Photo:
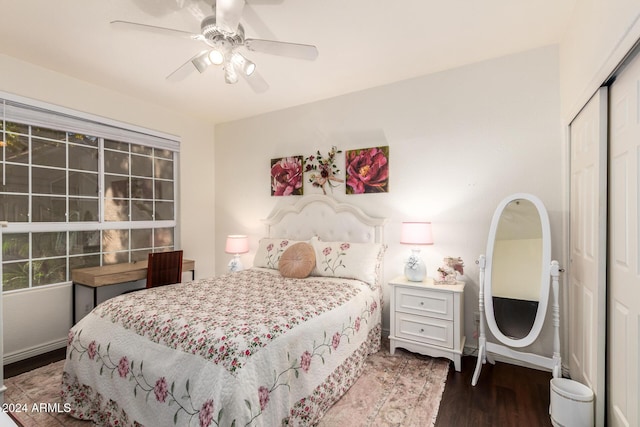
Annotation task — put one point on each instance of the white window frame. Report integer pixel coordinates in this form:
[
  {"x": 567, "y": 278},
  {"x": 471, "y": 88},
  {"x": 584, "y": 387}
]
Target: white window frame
[{"x": 37, "y": 113}]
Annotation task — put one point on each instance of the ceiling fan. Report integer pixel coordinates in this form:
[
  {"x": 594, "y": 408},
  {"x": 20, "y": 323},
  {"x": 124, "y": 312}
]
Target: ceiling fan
[{"x": 224, "y": 36}]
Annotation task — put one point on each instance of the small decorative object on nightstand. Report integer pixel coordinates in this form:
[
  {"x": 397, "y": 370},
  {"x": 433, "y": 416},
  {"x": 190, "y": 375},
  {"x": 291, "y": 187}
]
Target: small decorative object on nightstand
[
  {"x": 448, "y": 273},
  {"x": 236, "y": 244},
  {"x": 427, "y": 318},
  {"x": 416, "y": 233}
]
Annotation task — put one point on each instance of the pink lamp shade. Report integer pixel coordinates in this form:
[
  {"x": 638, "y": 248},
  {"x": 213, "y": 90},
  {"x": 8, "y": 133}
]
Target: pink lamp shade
[
  {"x": 416, "y": 233},
  {"x": 237, "y": 244}
]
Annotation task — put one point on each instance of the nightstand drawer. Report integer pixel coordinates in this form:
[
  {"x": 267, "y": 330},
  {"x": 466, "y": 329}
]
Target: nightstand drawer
[
  {"x": 424, "y": 302},
  {"x": 424, "y": 329}
]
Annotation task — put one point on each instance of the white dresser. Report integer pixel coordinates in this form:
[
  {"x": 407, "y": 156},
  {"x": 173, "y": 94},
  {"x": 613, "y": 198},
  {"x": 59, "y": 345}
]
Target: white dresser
[{"x": 427, "y": 318}]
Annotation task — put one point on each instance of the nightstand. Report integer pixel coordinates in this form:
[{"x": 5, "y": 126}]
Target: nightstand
[{"x": 427, "y": 318}]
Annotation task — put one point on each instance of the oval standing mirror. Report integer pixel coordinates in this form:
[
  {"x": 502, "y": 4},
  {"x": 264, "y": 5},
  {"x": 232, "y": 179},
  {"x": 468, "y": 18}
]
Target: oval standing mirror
[{"x": 518, "y": 270}]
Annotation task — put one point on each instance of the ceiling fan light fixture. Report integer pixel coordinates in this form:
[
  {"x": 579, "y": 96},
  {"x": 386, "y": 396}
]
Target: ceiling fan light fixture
[
  {"x": 216, "y": 57},
  {"x": 230, "y": 74},
  {"x": 243, "y": 64}
]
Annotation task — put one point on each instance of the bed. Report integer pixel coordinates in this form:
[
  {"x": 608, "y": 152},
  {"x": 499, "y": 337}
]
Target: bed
[{"x": 252, "y": 348}]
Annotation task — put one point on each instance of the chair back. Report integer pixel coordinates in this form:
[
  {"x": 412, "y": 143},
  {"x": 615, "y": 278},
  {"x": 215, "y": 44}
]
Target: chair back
[{"x": 164, "y": 268}]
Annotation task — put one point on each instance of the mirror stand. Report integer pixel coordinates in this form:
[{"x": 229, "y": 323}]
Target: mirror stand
[{"x": 554, "y": 363}]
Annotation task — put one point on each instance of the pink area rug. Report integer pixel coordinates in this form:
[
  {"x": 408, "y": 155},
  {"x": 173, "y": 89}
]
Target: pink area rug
[{"x": 400, "y": 390}]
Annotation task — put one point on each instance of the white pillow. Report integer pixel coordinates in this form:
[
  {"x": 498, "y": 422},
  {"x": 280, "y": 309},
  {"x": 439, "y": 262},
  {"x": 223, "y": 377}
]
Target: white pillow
[
  {"x": 360, "y": 261},
  {"x": 270, "y": 250}
]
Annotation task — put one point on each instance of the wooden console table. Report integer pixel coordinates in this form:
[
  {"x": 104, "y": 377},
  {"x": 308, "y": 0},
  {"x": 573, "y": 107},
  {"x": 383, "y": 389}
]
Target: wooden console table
[{"x": 107, "y": 275}]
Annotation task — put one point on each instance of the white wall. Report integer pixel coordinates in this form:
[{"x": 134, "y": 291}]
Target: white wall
[
  {"x": 460, "y": 141},
  {"x": 38, "y": 320},
  {"x": 599, "y": 36}
]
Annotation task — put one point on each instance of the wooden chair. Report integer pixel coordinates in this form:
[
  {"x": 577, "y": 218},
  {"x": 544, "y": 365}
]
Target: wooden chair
[{"x": 164, "y": 268}]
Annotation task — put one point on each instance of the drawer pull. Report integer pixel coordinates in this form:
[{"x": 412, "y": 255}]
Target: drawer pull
[
  {"x": 421, "y": 330},
  {"x": 421, "y": 302}
]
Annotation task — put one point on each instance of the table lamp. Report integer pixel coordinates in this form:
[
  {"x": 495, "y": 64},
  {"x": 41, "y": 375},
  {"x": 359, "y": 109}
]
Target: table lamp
[
  {"x": 416, "y": 233},
  {"x": 236, "y": 244}
]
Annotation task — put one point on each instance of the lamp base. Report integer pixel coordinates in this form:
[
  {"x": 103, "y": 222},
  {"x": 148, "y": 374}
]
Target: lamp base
[
  {"x": 414, "y": 269},
  {"x": 235, "y": 265}
]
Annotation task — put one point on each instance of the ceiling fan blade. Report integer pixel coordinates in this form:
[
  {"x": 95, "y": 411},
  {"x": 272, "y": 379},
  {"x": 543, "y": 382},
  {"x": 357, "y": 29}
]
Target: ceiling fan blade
[
  {"x": 228, "y": 13},
  {"x": 256, "y": 82},
  {"x": 155, "y": 29},
  {"x": 292, "y": 50},
  {"x": 199, "y": 61}
]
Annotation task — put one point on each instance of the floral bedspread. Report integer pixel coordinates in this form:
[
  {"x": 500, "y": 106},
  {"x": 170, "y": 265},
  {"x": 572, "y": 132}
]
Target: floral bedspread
[{"x": 245, "y": 349}]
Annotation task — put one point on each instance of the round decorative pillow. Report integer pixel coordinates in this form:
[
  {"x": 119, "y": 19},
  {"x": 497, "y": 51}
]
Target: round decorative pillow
[{"x": 297, "y": 261}]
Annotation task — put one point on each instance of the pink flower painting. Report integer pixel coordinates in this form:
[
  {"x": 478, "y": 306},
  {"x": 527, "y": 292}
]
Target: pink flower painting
[
  {"x": 368, "y": 170},
  {"x": 286, "y": 176}
]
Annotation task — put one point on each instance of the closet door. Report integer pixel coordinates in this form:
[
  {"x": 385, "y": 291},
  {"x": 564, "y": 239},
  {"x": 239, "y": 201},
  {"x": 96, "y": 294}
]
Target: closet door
[
  {"x": 623, "y": 376},
  {"x": 587, "y": 269}
]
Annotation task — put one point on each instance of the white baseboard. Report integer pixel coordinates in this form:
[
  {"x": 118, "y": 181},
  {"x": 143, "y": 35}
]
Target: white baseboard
[{"x": 34, "y": 351}]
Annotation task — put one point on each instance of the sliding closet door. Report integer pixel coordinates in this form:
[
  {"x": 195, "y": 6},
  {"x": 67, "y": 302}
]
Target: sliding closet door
[
  {"x": 587, "y": 268},
  {"x": 623, "y": 376}
]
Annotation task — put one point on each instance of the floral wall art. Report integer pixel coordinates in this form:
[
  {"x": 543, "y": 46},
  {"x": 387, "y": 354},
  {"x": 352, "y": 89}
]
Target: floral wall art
[
  {"x": 323, "y": 170},
  {"x": 286, "y": 176},
  {"x": 367, "y": 170}
]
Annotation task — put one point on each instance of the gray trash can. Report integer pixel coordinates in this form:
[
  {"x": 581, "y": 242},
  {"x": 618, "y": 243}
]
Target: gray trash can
[{"x": 571, "y": 403}]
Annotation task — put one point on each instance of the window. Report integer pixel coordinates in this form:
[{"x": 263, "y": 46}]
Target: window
[{"x": 80, "y": 193}]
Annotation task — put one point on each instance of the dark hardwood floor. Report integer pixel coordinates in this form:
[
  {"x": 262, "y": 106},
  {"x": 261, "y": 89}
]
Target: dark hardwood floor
[
  {"x": 506, "y": 395},
  {"x": 17, "y": 368}
]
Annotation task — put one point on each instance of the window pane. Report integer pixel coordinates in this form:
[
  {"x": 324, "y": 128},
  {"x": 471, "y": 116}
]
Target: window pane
[
  {"x": 16, "y": 179},
  {"x": 77, "y": 138},
  {"x": 49, "y": 244},
  {"x": 15, "y": 275},
  {"x": 141, "y": 238},
  {"x": 116, "y": 186},
  {"x": 164, "y": 211},
  {"x": 116, "y": 162},
  {"x": 84, "y": 261},
  {"x": 163, "y": 237},
  {"x": 116, "y": 145},
  {"x": 164, "y": 154},
  {"x": 17, "y": 148},
  {"x": 140, "y": 255},
  {"x": 115, "y": 240},
  {"x": 115, "y": 258},
  {"x": 48, "y": 271},
  {"x": 48, "y": 209},
  {"x": 48, "y": 181},
  {"x": 83, "y": 210},
  {"x": 84, "y": 242},
  {"x": 48, "y": 133},
  {"x": 164, "y": 169},
  {"x": 48, "y": 153},
  {"x": 15, "y": 246},
  {"x": 141, "y": 211},
  {"x": 83, "y": 184},
  {"x": 141, "y": 188},
  {"x": 116, "y": 210},
  {"x": 17, "y": 128},
  {"x": 164, "y": 190},
  {"x": 141, "y": 166},
  {"x": 14, "y": 208},
  {"x": 83, "y": 158},
  {"x": 141, "y": 149}
]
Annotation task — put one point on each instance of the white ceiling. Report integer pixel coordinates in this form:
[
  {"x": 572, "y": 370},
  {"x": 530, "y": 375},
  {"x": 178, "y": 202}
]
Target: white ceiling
[{"x": 361, "y": 43}]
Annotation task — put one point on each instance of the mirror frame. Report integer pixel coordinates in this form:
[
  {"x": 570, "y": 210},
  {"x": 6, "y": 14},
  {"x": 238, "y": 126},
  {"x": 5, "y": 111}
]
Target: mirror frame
[{"x": 545, "y": 279}]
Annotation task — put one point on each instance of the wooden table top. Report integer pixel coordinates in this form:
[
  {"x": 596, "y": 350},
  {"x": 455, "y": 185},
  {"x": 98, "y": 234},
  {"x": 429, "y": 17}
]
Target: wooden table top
[{"x": 117, "y": 273}]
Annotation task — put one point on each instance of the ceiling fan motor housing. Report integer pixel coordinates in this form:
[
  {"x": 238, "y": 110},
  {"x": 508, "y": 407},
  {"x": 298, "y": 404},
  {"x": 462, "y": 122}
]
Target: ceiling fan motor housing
[{"x": 213, "y": 34}]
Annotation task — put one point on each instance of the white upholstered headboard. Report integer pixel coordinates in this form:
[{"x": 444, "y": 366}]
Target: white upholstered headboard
[{"x": 329, "y": 220}]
